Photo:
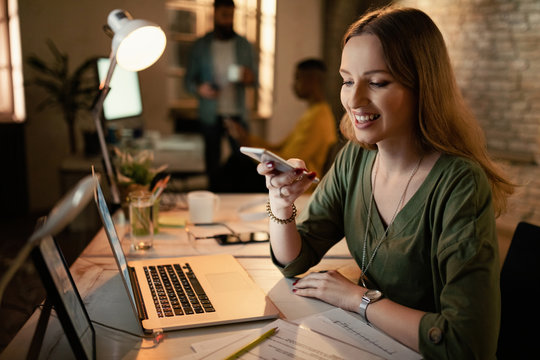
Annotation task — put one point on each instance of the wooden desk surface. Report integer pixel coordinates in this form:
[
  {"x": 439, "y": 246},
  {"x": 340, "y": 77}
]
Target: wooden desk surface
[{"x": 103, "y": 293}]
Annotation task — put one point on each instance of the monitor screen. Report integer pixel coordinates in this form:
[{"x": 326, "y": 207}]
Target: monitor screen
[{"x": 124, "y": 98}]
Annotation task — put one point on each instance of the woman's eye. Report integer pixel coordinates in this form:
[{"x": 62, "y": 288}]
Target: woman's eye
[
  {"x": 379, "y": 84},
  {"x": 347, "y": 83}
]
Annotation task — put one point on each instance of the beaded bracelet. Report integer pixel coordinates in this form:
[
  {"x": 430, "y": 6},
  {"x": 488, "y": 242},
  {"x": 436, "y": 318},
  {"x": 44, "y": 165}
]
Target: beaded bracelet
[{"x": 278, "y": 220}]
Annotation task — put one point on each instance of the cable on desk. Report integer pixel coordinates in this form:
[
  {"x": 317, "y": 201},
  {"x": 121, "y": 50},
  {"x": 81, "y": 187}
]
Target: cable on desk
[{"x": 156, "y": 337}]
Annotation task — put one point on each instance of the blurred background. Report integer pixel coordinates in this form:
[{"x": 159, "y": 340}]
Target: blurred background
[{"x": 494, "y": 46}]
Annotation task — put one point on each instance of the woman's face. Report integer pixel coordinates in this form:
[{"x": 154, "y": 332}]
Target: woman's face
[{"x": 381, "y": 109}]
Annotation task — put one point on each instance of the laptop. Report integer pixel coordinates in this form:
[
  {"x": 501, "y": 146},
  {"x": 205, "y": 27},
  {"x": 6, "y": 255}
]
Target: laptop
[{"x": 186, "y": 292}]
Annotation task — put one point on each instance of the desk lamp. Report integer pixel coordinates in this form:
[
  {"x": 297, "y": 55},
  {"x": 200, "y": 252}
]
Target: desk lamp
[{"x": 136, "y": 45}]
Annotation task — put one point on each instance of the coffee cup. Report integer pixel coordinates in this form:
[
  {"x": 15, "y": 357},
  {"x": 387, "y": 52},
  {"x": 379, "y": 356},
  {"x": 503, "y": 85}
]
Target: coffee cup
[
  {"x": 203, "y": 206},
  {"x": 234, "y": 73}
]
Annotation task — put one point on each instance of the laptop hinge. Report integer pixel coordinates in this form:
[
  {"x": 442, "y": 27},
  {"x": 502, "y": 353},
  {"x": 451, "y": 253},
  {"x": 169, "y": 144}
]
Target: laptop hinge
[{"x": 141, "y": 309}]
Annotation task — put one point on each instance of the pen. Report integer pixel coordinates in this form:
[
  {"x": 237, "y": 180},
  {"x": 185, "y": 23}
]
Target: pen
[
  {"x": 160, "y": 186},
  {"x": 252, "y": 344}
]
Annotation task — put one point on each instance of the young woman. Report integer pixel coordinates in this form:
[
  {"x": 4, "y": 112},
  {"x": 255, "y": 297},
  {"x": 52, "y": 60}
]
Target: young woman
[{"x": 413, "y": 192}]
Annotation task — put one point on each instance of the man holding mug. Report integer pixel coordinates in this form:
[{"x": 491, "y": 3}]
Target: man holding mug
[{"x": 221, "y": 65}]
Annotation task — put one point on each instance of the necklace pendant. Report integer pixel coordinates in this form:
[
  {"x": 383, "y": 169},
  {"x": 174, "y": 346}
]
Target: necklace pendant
[{"x": 362, "y": 277}]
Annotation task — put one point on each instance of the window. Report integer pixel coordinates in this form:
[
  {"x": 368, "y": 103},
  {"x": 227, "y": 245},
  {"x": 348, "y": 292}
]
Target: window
[{"x": 11, "y": 79}]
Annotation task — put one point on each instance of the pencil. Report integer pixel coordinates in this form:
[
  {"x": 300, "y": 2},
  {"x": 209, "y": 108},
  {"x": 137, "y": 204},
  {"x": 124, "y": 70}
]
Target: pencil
[{"x": 252, "y": 344}]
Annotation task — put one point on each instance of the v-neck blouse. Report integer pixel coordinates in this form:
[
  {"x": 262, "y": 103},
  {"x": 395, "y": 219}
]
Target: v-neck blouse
[{"x": 440, "y": 254}]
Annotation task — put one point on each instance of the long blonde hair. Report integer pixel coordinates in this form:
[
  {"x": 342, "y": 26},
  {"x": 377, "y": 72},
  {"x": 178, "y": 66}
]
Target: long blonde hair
[{"x": 416, "y": 56}]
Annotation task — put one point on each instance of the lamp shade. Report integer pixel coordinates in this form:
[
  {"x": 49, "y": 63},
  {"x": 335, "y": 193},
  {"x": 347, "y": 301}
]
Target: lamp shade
[{"x": 137, "y": 44}]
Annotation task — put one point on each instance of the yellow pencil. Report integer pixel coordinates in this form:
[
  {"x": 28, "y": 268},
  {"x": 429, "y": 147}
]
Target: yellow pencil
[{"x": 252, "y": 344}]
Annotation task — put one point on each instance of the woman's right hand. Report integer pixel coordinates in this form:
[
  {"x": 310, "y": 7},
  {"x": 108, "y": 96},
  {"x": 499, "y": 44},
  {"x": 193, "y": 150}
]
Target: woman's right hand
[{"x": 285, "y": 187}]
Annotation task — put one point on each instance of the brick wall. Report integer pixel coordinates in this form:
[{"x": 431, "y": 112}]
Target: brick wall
[
  {"x": 494, "y": 46},
  {"x": 495, "y": 49}
]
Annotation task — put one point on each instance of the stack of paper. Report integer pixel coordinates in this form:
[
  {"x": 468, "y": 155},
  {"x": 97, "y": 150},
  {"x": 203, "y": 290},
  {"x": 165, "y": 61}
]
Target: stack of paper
[{"x": 335, "y": 334}]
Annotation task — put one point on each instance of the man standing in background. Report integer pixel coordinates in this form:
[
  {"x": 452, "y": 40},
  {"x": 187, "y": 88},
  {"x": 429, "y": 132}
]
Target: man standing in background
[{"x": 221, "y": 65}]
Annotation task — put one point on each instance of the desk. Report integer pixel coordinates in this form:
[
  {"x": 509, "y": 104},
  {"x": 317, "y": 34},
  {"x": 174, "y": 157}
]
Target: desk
[{"x": 100, "y": 286}]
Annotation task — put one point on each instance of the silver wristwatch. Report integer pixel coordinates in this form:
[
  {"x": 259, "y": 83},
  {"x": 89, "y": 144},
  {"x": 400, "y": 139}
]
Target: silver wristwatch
[{"x": 369, "y": 297}]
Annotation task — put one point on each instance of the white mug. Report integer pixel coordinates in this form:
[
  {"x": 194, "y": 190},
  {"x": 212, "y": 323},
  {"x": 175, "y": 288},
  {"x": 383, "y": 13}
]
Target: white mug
[
  {"x": 202, "y": 206},
  {"x": 234, "y": 73}
]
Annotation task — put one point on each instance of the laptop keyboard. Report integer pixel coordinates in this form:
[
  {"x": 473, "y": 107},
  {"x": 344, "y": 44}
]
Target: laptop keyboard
[{"x": 176, "y": 290}]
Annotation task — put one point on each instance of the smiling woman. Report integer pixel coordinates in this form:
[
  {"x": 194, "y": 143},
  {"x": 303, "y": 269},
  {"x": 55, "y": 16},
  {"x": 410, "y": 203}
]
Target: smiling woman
[
  {"x": 11, "y": 80},
  {"x": 413, "y": 192}
]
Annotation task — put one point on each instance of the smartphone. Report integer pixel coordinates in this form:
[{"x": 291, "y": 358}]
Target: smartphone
[
  {"x": 261, "y": 154},
  {"x": 242, "y": 238}
]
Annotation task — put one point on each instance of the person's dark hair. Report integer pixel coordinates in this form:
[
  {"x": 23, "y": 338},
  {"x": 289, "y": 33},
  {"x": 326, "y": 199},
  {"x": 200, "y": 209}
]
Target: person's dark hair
[
  {"x": 311, "y": 64},
  {"x": 218, "y": 3},
  {"x": 415, "y": 53}
]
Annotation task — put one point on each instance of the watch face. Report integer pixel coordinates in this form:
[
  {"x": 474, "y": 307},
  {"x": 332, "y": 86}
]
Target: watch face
[{"x": 373, "y": 295}]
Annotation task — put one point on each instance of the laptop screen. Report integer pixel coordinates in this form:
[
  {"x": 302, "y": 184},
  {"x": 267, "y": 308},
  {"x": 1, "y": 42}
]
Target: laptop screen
[{"x": 114, "y": 240}]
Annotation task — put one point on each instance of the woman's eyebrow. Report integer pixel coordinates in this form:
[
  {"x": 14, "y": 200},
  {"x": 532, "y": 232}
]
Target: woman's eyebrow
[{"x": 369, "y": 72}]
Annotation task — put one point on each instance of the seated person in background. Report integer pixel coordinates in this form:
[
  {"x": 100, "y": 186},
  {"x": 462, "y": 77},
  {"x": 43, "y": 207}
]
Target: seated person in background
[
  {"x": 413, "y": 192},
  {"x": 314, "y": 133}
]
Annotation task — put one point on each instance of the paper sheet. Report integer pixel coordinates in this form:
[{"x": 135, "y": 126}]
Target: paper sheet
[
  {"x": 289, "y": 342},
  {"x": 349, "y": 328},
  {"x": 336, "y": 323}
]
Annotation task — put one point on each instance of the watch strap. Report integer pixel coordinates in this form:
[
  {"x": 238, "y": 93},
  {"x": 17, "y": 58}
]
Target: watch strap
[{"x": 362, "y": 309}]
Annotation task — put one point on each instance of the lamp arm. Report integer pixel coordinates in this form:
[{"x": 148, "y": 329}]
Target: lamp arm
[{"x": 96, "y": 114}]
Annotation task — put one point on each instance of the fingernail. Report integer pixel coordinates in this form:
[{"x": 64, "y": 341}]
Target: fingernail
[
  {"x": 298, "y": 171},
  {"x": 270, "y": 164},
  {"x": 294, "y": 283},
  {"x": 294, "y": 290},
  {"x": 312, "y": 175}
]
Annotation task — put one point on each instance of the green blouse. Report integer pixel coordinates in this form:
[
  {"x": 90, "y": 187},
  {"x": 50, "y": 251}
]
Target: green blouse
[{"x": 440, "y": 255}]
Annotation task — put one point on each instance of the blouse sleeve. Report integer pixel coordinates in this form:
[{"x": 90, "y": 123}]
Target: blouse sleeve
[
  {"x": 320, "y": 224},
  {"x": 465, "y": 263}
]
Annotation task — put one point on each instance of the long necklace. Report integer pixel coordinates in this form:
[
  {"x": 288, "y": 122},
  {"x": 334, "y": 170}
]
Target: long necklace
[{"x": 371, "y": 201}]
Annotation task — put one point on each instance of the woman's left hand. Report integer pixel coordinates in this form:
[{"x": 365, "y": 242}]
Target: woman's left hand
[{"x": 330, "y": 287}]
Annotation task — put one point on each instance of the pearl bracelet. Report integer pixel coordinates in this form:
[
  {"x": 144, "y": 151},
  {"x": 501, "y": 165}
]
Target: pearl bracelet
[{"x": 278, "y": 220}]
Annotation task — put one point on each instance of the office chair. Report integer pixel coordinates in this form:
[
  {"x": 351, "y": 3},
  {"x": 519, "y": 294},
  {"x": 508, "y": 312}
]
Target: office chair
[
  {"x": 520, "y": 295},
  {"x": 333, "y": 150}
]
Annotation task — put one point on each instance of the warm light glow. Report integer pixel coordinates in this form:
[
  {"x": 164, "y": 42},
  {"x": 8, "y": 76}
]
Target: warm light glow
[
  {"x": 137, "y": 44},
  {"x": 19, "y": 107},
  {"x": 141, "y": 48},
  {"x": 266, "y": 57},
  {"x": 12, "y": 107}
]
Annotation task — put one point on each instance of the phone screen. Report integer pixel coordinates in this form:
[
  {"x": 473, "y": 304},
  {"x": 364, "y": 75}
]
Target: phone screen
[{"x": 261, "y": 154}]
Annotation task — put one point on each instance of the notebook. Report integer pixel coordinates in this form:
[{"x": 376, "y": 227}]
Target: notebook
[{"x": 217, "y": 288}]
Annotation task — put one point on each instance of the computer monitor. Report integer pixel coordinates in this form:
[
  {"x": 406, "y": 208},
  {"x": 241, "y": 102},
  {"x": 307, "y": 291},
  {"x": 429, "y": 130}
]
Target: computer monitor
[{"x": 124, "y": 100}]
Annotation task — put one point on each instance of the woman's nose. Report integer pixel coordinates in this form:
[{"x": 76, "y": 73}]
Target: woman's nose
[{"x": 359, "y": 97}]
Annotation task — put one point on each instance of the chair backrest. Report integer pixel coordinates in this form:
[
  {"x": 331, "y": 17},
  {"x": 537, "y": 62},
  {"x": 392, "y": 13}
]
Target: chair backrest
[
  {"x": 520, "y": 295},
  {"x": 331, "y": 155}
]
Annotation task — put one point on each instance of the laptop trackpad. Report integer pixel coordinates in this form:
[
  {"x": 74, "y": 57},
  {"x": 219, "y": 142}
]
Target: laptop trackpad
[{"x": 225, "y": 282}]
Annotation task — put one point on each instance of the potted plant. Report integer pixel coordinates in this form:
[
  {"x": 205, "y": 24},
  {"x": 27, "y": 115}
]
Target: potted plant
[
  {"x": 134, "y": 170},
  {"x": 71, "y": 92}
]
